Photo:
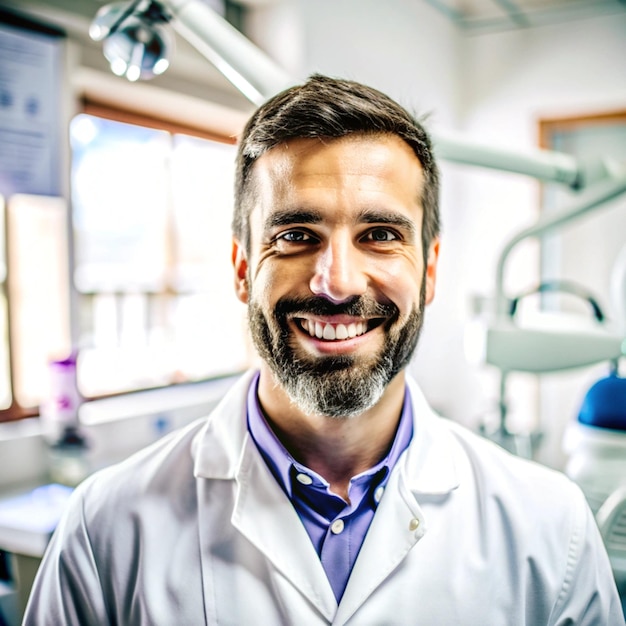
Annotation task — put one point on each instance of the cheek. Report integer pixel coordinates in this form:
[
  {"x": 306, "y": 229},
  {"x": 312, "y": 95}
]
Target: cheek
[
  {"x": 402, "y": 282},
  {"x": 273, "y": 278},
  {"x": 267, "y": 285}
]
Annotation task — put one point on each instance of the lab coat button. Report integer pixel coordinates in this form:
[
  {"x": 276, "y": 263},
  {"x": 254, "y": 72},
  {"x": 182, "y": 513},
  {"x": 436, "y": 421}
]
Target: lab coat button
[
  {"x": 337, "y": 527},
  {"x": 378, "y": 494},
  {"x": 414, "y": 523},
  {"x": 304, "y": 479}
]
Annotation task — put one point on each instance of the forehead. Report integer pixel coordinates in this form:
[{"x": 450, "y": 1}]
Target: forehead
[{"x": 362, "y": 165}]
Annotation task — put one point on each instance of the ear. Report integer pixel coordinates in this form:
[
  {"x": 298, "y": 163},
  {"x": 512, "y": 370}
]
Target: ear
[
  {"x": 431, "y": 270},
  {"x": 240, "y": 264}
]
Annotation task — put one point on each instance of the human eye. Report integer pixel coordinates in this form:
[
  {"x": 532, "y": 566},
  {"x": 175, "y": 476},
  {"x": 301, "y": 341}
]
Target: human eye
[
  {"x": 381, "y": 235},
  {"x": 294, "y": 240},
  {"x": 295, "y": 236}
]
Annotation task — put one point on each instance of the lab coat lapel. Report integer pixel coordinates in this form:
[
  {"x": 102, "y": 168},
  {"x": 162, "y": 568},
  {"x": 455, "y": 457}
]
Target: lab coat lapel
[
  {"x": 264, "y": 515},
  {"x": 397, "y": 526},
  {"x": 426, "y": 472},
  {"x": 227, "y": 461}
]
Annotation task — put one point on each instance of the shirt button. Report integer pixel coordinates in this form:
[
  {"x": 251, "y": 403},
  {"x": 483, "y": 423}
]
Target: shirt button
[
  {"x": 378, "y": 494},
  {"x": 414, "y": 523},
  {"x": 337, "y": 526},
  {"x": 305, "y": 479}
]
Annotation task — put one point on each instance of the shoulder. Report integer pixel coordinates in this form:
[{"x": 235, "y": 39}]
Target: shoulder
[
  {"x": 163, "y": 475},
  {"x": 529, "y": 524},
  {"x": 163, "y": 470},
  {"x": 508, "y": 491},
  {"x": 516, "y": 481},
  {"x": 482, "y": 465},
  {"x": 483, "y": 453},
  {"x": 539, "y": 513}
]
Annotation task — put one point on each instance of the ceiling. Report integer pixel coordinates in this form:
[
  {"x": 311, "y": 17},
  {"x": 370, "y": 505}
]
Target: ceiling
[
  {"x": 471, "y": 16},
  {"x": 480, "y": 16}
]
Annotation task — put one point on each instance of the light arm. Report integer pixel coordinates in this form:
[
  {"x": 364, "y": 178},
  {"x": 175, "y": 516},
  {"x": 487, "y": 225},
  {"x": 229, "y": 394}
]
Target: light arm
[{"x": 247, "y": 67}]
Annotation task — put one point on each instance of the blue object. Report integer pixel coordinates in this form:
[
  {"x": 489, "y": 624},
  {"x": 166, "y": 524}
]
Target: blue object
[{"x": 604, "y": 405}]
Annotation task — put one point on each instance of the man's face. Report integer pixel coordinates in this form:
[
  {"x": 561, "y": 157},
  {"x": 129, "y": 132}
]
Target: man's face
[{"x": 335, "y": 278}]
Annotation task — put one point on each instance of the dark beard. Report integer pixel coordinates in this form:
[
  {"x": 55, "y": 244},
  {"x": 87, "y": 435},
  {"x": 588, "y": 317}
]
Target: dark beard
[{"x": 334, "y": 386}]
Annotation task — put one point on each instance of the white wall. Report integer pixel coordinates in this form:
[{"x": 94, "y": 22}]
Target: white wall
[
  {"x": 493, "y": 88},
  {"x": 402, "y": 47}
]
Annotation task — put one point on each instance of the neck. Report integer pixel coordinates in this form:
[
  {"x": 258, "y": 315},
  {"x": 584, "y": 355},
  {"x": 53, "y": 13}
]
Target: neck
[{"x": 335, "y": 448}]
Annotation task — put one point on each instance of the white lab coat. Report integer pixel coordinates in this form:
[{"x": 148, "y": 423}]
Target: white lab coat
[{"x": 195, "y": 530}]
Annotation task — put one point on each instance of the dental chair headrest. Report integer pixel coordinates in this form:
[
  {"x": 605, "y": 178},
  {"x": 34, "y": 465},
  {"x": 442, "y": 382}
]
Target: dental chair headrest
[{"x": 604, "y": 405}]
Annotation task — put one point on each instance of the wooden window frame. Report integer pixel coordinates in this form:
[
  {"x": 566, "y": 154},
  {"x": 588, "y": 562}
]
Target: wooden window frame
[{"x": 549, "y": 126}]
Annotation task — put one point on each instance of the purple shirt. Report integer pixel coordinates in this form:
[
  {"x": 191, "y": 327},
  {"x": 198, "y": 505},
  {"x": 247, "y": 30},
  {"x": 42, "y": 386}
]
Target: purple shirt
[{"x": 337, "y": 529}]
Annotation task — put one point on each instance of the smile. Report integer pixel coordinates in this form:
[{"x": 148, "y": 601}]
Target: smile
[{"x": 336, "y": 332}]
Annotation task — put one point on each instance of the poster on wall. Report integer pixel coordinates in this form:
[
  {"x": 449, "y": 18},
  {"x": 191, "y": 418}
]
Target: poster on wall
[{"x": 30, "y": 94}]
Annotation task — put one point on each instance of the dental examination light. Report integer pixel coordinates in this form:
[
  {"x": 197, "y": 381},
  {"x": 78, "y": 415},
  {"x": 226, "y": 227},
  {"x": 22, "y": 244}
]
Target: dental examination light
[
  {"x": 136, "y": 44},
  {"x": 252, "y": 72}
]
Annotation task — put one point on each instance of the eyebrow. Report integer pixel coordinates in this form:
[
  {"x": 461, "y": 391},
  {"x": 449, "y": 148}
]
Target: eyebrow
[
  {"x": 367, "y": 216},
  {"x": 375, "y": 216},
  {"x": 292, "y": 216}
]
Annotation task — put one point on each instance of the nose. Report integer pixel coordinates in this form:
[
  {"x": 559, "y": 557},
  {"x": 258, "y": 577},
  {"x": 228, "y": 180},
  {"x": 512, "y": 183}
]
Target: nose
[{"x": 339, "y": 272}]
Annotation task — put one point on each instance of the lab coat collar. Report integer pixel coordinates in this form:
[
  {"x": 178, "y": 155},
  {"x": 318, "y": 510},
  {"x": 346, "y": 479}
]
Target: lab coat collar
[
  {"x": 218, "y": 447},
  {"x": 430, "y": 465},
  {"x": 223, "y": 449},
  {"x": 429, "y": 462}
]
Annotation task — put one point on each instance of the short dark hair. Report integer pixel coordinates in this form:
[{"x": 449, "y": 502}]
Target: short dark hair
[{"x": 325, "y": 107}]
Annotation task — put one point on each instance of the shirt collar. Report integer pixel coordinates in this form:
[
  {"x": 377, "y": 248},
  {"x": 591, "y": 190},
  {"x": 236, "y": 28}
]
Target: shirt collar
[{"x": 280, "y": 461}]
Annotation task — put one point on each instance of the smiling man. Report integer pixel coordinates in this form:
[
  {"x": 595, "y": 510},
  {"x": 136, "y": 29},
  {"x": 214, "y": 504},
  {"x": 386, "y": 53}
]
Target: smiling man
[{"x": 323, "y": 489}]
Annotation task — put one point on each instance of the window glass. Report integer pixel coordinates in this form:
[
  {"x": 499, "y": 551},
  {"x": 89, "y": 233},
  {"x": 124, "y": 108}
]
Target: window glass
[
  {"x": 202, "y": 186},
  {"x": 203, "y": 175},
  {"x": 38, "y": 291},
  {"x": 152, "y": 214},
  {"x": 120, "y": 194}
]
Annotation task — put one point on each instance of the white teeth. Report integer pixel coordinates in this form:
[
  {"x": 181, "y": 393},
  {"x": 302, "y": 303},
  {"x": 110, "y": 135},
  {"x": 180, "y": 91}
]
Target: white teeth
[
  {"x": 329, "y": 332},
  {"x": 334, "y": 333}
]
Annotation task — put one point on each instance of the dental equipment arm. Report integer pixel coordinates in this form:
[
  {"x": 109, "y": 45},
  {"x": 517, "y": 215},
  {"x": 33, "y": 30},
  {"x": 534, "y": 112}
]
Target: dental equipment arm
[
  {"x": 540, "y": 164},
  {"x": 258, "y": 77},
  {"x": 594, "y": 198},
  {"x": 247, "y": 67},
  {"x": 551, "y": 341}
]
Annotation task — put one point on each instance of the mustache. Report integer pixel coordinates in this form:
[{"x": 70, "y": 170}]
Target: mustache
[{"x": 358, "y": 306}]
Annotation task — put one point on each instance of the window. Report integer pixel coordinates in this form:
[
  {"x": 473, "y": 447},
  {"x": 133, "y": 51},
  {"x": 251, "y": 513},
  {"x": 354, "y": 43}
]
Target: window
[
  {"x": 151, "y": 215},
  {"x": 34, "y": 270},
  {"x": 137, "y": 278},
  {"x": 586, "y": 250},
  {"x": 34, "y": 298}
]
